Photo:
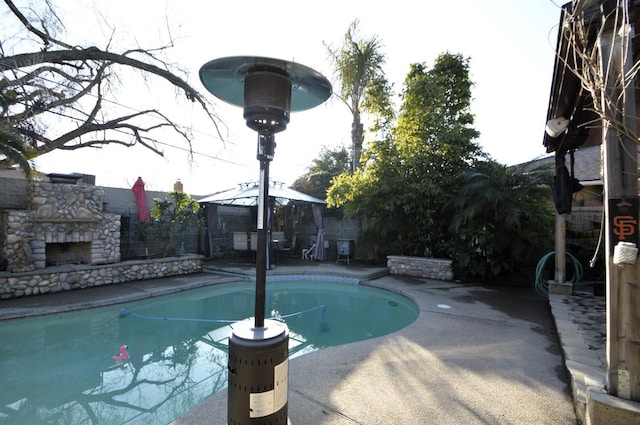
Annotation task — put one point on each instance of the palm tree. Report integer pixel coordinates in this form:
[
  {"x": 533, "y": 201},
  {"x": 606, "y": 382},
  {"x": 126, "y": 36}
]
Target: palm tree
[
  {"x": 363, "y": 85},
  {"x": 13, "y": 151}
]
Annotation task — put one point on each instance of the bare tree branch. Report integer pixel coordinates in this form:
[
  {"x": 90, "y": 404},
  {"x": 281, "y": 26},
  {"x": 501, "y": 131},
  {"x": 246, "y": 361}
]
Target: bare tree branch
[
  {"x": 61, "y": 81},
  {"x": 45, "y": 37},
  {"x": 587, "y": 65},
  {"x": 62, "y": 57}
]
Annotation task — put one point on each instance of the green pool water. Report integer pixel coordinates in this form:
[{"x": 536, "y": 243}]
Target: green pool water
[{"x": 58, "y": 369}]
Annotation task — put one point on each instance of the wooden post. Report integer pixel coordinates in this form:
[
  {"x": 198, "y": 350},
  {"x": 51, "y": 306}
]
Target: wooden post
[
  {"x": 620, "y": 165},
  {"x": 561, "y": 248}
]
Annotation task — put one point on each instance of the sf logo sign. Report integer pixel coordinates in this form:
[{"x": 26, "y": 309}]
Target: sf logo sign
[
  {"x": 624, "y": 226},
  {"x": 623, "y": 221}
]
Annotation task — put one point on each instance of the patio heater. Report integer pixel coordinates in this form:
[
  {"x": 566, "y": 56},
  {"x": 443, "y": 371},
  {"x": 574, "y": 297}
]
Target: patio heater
[{"x": 268, "y": 89}]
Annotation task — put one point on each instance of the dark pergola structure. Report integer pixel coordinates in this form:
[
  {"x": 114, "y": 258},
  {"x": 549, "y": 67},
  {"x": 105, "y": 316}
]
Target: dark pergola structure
[{"x": 604, "y": 33}]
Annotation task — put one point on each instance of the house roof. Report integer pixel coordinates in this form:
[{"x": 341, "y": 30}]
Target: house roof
[{"x": 586, "y": 165}]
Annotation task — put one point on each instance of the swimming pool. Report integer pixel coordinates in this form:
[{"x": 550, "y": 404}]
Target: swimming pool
[{"x": 59, "y": 369}]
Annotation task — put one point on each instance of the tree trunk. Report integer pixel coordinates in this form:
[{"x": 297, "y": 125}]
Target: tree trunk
[{"x": 357, "y": 138}]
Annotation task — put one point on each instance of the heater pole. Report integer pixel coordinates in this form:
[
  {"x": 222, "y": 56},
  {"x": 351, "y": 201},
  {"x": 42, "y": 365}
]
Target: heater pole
[{"x": 266, "y": 148}]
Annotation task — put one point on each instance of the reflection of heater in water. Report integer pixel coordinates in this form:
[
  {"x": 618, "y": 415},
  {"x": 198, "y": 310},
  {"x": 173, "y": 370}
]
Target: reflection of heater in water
[{"x": 345, "y": 249}]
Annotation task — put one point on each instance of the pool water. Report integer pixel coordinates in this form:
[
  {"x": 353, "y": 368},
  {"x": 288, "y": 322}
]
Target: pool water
[{"x": 58, "y": 369}]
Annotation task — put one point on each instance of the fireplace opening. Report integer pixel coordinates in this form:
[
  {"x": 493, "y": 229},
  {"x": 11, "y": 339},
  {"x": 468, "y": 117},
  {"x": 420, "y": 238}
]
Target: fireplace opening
[{"x": 68, "y": 253}]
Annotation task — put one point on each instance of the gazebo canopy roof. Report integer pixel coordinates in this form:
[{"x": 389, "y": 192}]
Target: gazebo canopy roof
[{"x": 246, "y": 194}]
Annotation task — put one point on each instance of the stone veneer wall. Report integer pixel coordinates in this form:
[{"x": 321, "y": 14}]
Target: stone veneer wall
[
  {"x": 69, "y": 277},
  {"x": 59, "y": 213},
  {"x": 430, "y": 268}
]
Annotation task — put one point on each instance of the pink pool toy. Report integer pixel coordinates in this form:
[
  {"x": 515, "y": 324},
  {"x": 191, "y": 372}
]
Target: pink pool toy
[{"x": 123, "y": 356}]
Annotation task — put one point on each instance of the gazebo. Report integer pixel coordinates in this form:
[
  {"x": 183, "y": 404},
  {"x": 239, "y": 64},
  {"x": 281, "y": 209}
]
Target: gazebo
[{"x": 247, "y": 195}]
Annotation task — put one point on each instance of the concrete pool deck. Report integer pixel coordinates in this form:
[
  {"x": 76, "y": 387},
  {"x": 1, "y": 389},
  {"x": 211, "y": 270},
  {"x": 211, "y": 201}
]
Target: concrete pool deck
[{"x": 475, "y": 355}]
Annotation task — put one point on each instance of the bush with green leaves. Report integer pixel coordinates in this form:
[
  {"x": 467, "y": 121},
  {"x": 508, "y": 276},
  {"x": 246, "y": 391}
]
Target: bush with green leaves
[
  {"x": 172, "y": 215},
  {"x": 501, "y": 218}
]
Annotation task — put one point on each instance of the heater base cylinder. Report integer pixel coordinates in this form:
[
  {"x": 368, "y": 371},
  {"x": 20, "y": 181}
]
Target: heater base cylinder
[{"x": 258, "y": 373}]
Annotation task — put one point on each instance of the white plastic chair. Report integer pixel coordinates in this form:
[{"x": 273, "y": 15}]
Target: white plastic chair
[{"x": 307, "y": 253}]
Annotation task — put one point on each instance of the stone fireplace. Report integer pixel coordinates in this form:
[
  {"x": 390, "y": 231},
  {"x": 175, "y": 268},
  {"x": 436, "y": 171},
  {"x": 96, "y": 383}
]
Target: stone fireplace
[
  {"x": 65, "y": 224},
  {"x": 57, "y": 253}
]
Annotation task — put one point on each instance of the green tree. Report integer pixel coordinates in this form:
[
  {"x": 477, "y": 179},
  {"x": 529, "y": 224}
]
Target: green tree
[
  {"x": 410, "y": 176},
  {"x": 501, "y": 218},
  {"x": 363, "y": 86},
  {"x": 436, "y": 142},
  {"x": 172, "y": 214},
  {"x": 323, "y": 169}
]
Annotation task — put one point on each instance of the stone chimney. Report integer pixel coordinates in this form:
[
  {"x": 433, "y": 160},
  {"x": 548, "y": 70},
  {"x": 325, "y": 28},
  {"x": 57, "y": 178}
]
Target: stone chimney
[{"x": 177, "y": 186}]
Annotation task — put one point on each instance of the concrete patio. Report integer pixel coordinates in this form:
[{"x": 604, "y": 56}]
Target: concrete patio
[{"x": 475, "y": 355}]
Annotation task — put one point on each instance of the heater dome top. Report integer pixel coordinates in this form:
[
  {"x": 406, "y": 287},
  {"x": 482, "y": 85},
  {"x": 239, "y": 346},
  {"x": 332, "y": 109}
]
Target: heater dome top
[{"x": 224, "y": 78}]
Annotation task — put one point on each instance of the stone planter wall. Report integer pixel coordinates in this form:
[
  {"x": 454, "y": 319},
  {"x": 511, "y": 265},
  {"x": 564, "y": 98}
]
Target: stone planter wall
[
  {"x": 430, "y": 268},
  {"x": 70, "y": 277}
]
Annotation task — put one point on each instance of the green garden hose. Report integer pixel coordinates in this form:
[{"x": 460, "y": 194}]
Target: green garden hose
[{"x": 542, "y": 285}]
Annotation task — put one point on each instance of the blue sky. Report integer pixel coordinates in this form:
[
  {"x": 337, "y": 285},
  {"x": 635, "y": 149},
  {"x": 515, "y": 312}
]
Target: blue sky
[{"x": 510, "y": 45}]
